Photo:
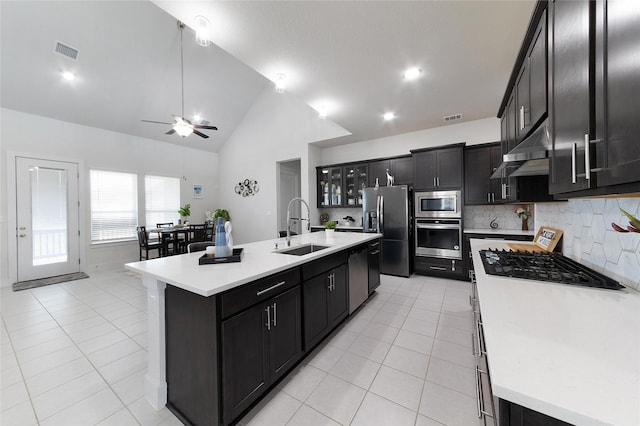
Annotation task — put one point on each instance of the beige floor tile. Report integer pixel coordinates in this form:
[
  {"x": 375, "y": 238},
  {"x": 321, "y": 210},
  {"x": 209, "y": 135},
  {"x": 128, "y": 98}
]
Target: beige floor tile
[
  {"x": 397, "y": 386},
  {"x": 356, "y": 370},
  {"x": 376, "y": 410},
  {"x": 336, "y": 399},
  {"x": 407, "y": 361}
]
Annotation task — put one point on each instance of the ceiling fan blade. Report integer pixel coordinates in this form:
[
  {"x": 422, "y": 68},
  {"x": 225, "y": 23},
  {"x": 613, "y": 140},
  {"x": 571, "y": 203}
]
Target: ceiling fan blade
[
  {"x": 202, "y": 135},
  {"x": 157, "y": 122},
  {"x": 170, "y": 132},
  {"x": 198, "y": 126}
]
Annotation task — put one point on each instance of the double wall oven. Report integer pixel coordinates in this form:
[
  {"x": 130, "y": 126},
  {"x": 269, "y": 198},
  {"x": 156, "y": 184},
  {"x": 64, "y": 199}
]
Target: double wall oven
[{"x": 438, "y": 224}]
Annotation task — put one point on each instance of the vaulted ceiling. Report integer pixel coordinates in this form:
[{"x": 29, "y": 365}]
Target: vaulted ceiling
[{"x": 346, "y": 55}]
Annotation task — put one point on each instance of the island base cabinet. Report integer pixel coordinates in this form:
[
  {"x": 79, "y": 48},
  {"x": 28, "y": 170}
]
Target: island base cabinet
[
  {"x": 259, "y": 345},
  {"x": 326, "y": 303},
  {"x": 516, "y": 415}
]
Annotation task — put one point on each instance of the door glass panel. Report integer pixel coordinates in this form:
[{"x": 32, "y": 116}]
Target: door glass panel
[{"x": 49, "y": 215}]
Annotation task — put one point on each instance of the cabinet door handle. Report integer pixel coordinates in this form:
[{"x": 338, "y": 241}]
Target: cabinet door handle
[
  {"x": 522, "y": 117},
  {"x": 275, "y": 314},
  {"x": 438, "y": 268},
  {"x": 438, "y": 181},
  {"x": 453, "y": 266},
  {"x": 268, "y": 324},
  {"x": 270, "y": 288},
  {"x": 375, "y": 252},
  {"x": 587, "y": 157},
  {"x": 493, "y": 197},
  {"x": 504, "y": 191},
  {"x": 573, "y": 163},
  {"x": 478, "y": 337},
  {"x": 478, "y": 397},
  {"x": 488, "y": 197},
  {"x": 329, "y": 278},
  {"x": 434, "y": 181}
]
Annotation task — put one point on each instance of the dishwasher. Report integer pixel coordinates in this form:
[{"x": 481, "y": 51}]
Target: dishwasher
[{"x": 358, "y": 277}]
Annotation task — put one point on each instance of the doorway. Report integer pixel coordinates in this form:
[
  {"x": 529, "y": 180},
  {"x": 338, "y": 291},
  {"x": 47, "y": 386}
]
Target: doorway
[
  {"x": 47, "y": 218},
  {"x": 289, "y": 188}
]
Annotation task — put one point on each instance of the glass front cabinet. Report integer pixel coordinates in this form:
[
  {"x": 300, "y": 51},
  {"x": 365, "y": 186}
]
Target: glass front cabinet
[
  {"x": 330, "y": 186},
  {"x": 355, "y": 181}
]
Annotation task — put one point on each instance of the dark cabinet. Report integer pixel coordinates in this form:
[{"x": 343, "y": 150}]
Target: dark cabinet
[
  {"x": 330, "y": 186},
  {"x": 439, "y": 266},
  {"x": 325, "y": 298},
  {"x": 571, "y": 103},
  {"x": 355, "y": 180},
  {"x": 439, "y": 168},
  {"x": 258, "y": 346},
  {"x": 531, "y": 83},
  {"x": 373, "y": 260},
  {"x": 401, "y": 168},
  {"x": 479, "y": 164},
  {"x": 594, "y": 129},
  {"x": 618, "y": 93}
]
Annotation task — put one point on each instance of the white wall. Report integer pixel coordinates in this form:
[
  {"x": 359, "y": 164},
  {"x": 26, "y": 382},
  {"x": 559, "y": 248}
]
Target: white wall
[
  {"x": 278, "y": 127},
  {"x": 472, "y": 132},
  {"x": 96, "y": 148}
]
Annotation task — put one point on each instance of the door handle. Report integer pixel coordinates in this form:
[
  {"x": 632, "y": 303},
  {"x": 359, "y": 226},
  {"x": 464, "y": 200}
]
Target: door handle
[
  {"x": 587, "y": 157},
  {"x": 275, "y": 315},
  {"x": 268, "y": 324},
  {"x": 23, "y": 235},
  {"x": 573, "y": 163},
  {"x": 22, "y": 228}
]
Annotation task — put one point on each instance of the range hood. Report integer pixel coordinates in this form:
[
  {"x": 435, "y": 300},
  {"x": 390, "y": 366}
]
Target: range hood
[{"x": 528, "y": 158}]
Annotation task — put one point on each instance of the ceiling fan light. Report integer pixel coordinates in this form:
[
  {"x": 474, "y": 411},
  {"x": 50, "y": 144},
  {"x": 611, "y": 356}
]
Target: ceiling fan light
[
  {"x": 412, "y": 73},
  {"x": 183, "y": 129},
  {"x": 202, "y": 31}
]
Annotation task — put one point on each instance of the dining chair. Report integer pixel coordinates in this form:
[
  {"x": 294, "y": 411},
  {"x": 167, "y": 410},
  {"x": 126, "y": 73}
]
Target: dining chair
[
  {"x": 209, "y": 234},
  {"x": 199, "y": 246},
  {"x": 197, "y": 233},
  {"x": 146, "y": 245},
  {"x": 170, "y": 239}
]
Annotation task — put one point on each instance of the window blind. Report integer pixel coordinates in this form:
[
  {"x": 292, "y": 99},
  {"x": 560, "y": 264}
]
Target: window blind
[
  {"x": 162, "y": 200},
  {"x": 114, "y": 205}
]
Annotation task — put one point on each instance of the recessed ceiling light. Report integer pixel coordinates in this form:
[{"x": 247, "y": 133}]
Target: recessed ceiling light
[
  {"x": 389, "y": 116},
  {"x": 280, "y": 82},
  {"x": 69, "y": 76},
  {"x": 202, "y": 31},
  {"x": 412, "y": 73}
]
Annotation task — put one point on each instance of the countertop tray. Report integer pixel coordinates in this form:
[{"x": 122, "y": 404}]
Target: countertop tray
[{"x": 236, "y": 256}]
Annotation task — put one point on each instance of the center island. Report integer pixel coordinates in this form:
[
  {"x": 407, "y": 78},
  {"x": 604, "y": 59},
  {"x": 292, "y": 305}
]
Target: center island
[{"x": 221, "y": 335}]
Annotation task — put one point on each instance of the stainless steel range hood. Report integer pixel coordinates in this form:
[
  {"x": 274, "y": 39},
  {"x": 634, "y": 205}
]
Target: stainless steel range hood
[{"x": 528, "y": 158}]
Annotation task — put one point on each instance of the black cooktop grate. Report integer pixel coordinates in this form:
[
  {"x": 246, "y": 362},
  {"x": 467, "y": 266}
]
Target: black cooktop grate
[{"x": 552, "y": 267}]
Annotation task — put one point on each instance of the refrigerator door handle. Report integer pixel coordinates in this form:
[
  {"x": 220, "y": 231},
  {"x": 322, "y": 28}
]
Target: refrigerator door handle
[{"x": 381, "y": 216}]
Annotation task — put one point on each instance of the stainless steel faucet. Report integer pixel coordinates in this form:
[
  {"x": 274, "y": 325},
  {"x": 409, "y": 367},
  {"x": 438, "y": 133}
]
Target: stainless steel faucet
[{"x": 289, "y": 218}]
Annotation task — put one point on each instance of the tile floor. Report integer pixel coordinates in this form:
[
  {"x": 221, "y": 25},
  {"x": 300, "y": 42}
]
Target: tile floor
[{"x": 75, "y": 354}]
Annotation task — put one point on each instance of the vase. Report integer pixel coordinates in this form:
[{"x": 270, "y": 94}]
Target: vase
[
  {"x": 525, "y": 223},
  {"x": 329, "y": 233}
]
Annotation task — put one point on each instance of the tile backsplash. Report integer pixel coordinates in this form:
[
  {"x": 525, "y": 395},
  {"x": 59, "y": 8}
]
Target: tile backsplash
[
  {"x": 589, "y": 238},
  {"x": 480, "y": 217}
]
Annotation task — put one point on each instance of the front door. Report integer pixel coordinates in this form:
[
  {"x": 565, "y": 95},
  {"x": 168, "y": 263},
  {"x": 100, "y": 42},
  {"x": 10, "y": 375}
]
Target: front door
[{"x": 47, "y": 218}]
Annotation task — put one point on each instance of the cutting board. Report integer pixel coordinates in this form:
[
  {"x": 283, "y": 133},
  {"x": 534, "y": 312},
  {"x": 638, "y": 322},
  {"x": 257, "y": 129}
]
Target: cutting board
[{"x": 546, "y": 239}]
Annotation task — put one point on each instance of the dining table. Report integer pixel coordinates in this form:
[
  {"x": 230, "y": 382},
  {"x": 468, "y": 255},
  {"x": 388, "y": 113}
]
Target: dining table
[{"x": 171, "y": 234}]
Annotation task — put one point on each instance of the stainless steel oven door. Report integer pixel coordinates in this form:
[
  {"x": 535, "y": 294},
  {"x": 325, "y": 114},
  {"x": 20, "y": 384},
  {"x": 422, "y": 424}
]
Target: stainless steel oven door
[
  {"x": 438, "y": 204},
  {"x": 439, "y": 238}
]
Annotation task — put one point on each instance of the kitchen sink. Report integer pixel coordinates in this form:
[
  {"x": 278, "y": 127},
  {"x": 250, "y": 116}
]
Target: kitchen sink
[{"x": 302, "y": 250}]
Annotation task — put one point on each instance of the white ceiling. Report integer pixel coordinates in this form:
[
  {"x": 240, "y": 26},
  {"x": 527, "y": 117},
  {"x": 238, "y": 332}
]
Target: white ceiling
[{"x": 345, "y": 54}]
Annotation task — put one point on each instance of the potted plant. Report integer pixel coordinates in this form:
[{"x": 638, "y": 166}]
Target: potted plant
[
  {"x": 330, "y": 228},
  {"x": 224, "y": 214},
  {"x": 524, "y": 212},
  {"x": 184, "y": 212}
]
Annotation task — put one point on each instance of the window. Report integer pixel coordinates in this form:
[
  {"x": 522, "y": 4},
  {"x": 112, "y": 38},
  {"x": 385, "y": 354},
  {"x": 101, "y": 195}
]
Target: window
[
  {"x": 162, "y": 200},
  {"x": 114, "y": 206}
]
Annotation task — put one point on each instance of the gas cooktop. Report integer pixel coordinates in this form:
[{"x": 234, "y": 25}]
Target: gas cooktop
[{"x": 552, "y": 267}]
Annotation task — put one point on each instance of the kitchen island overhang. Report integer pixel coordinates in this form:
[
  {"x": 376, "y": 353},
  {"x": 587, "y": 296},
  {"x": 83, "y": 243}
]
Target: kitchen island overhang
[{"x": 261, "y": 259}]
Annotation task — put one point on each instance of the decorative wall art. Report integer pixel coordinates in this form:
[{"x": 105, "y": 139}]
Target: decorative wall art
[
  {"x": 197, "y": 191},
  {"x": 247, "y": 187}
]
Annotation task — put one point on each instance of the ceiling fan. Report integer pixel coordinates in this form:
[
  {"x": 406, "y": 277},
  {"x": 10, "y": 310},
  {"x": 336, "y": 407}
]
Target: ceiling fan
[{"x": 181, "y": 125}]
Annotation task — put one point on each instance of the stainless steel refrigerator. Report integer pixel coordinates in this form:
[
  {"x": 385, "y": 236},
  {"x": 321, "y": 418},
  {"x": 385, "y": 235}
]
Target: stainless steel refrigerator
[{"x": 387, "y": 210}]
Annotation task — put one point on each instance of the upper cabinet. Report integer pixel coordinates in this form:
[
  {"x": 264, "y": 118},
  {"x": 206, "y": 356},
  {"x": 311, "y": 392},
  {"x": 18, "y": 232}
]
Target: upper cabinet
[
  {"x": 531, "y": 83},
  {"x": 330, "y": 184},
  {"x": 355, "y": 181},
  {"x": 400, "y": 168},
  {"x": 594, "y": 124},
  {"x": 480, "y": 161},
  {"x": 438, "y": 168}
]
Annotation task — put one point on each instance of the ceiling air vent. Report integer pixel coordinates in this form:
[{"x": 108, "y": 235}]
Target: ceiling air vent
[
  {"x": 453, "y": 117},
  {"x": 67, "y": 51}
]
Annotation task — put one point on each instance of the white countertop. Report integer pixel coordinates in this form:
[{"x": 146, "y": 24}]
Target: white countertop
[
  {"x": 570, "y": 352},
  {"x": 259, "y": 260},
  {"x": 498, "y": 231},
  {"x": 359, "y": 228}
]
